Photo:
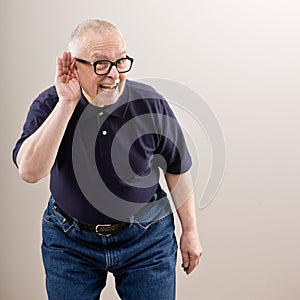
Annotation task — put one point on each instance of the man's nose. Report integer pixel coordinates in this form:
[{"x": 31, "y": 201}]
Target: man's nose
[{"x": 113, "y": 73}]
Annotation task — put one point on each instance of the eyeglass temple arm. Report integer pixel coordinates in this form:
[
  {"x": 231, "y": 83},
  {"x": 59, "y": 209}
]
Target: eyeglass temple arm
[{"x": 84, "y": 61}]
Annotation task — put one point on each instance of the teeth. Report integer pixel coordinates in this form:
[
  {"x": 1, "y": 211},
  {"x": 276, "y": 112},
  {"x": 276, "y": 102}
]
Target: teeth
[{"x": 109, "y": 86}]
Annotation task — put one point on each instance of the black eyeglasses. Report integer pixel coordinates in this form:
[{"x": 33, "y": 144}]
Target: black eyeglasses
[{"x": 103, "y": 67}]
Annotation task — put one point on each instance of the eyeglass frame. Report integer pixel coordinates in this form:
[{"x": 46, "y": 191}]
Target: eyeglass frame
[{"x": 112, "y": 63}]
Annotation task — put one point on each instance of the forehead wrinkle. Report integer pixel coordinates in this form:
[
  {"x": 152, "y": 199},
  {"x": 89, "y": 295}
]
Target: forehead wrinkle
[
  {"x": 103, "y": 47},
  {"x": 100, "y": 55}
]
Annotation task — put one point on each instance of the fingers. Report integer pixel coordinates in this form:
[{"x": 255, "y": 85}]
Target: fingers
[
  {"x": 185, "y": 261},
  {"x": 66, "y": 63},
  {"x": 58, "y": 68},
  {"x": 65, "y": 67},
  {"x": 66, "y": 78},
  {"x": 191, "y": 250},
  {"x": 190, "y": 261}
]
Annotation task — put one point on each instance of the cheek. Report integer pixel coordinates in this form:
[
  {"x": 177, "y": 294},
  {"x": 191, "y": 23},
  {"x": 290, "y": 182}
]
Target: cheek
[
  {"x": 122, "y": 79},
  {"x": 88, "y": 79},
  {"x": 90, "y": 85},
  {"x": 122, "y": 84}
]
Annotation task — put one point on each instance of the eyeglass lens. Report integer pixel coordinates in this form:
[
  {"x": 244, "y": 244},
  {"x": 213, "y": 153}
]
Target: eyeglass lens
[{"x": 103, "y": 66}]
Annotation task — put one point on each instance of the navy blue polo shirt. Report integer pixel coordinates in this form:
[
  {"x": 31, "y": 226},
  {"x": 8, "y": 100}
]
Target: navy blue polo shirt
[{"x": 108, "y": 162}]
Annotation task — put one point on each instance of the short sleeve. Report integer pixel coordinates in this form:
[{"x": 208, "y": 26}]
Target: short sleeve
[
  {"x": 38, "y": 112},
  {"x": 172, "y": 146}
]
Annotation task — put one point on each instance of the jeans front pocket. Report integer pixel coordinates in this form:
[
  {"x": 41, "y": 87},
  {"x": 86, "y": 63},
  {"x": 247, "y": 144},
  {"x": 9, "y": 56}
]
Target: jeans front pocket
[
  {"x": 164, "y": 221},
  {"x": 153, "y": 212},
  {"x": 53, "y": 216}
]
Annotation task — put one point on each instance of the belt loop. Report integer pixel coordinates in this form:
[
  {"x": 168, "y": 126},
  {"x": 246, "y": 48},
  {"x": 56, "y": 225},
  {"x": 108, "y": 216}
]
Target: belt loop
[
  {"x": 75, "y": 223},
  {"x": 131, "y": 220},
  {"x": 51, "y": 200}
]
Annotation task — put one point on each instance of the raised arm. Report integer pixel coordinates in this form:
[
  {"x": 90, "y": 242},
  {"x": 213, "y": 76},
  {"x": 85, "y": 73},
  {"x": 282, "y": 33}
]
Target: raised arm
[
  {"x": 182, "y": 194},
  {"x": 38, "y": 152}
]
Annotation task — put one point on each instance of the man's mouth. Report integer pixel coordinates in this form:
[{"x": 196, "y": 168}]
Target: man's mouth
[{"x": 106, "y": 86}]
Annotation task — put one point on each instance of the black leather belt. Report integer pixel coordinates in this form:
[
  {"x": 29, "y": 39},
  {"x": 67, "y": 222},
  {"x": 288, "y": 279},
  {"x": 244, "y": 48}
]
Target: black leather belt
[
  {"x": 106, "y": 229},
  {"x": 101, "y": 229}
]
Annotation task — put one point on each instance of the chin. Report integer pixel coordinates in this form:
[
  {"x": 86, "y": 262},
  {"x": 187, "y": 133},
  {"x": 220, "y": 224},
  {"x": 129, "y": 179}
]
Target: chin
[{"x": 101, "y": 100}]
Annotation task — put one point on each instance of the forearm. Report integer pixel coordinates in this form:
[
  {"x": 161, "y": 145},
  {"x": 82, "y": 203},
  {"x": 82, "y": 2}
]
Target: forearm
[
  {"x": 38, "y": 152},
  {"x": 187, "y": 215},
  {"x": 181, "y": 189}
]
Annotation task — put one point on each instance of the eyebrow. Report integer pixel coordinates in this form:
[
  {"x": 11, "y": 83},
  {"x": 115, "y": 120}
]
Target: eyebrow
[{"x": 101, "y": 56}]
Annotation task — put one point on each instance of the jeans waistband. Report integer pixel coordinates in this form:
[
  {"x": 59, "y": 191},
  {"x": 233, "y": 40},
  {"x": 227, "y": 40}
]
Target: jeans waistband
[{"x": 158, "y": 207}]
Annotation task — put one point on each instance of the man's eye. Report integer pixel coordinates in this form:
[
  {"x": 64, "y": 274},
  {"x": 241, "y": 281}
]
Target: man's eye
[
  {"x": 102, "y": 66},
  {"x": 103, "y": 63}
]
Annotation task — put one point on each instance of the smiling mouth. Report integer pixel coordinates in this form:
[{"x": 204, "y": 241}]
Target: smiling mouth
[{"x": 105, "y": 86}]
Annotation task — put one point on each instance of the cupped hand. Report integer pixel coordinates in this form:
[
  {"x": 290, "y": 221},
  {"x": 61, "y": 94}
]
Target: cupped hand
[{"x": 66, "y": 78}]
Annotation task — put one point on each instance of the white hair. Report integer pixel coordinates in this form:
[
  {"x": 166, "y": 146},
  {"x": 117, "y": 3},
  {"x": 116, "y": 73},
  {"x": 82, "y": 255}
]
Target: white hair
[{"x": 76, "y": 38}]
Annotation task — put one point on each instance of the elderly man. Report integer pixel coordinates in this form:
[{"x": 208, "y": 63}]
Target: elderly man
[{"x": 103, "y": 139}]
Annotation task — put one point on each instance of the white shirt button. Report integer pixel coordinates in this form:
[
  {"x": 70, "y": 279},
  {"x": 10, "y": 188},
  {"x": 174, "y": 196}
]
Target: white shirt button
[
  {"x": 104, "y": 132},
  {"x": 100, "y": 113}
]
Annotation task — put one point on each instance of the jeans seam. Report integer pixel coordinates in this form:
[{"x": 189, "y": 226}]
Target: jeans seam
[{"x": 155, "y": 222}]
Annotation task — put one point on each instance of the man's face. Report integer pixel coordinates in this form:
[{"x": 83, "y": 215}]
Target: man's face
[{"x": 101, "y": 90}]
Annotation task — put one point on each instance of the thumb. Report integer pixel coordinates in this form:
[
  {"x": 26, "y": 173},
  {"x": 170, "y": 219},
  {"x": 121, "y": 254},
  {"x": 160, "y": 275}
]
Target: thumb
[{"x": 185, "y": 259}]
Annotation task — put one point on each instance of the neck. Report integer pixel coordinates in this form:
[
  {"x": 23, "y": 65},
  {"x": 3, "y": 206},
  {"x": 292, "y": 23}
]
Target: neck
[{"x": 90, "y": 100}]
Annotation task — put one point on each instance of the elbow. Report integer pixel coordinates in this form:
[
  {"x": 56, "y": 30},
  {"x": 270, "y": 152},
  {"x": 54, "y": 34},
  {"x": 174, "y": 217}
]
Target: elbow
[
  {"x": 27, "y": 172},
  {"x": 29, "y": 177}
]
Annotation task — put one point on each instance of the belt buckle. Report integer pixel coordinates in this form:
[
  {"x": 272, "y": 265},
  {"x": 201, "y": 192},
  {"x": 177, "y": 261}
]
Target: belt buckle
[{"x": 98, "y": 228}]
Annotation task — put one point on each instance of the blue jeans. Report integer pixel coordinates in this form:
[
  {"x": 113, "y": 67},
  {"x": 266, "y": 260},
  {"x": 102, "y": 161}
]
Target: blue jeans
[{"x": 142, "y": 259}]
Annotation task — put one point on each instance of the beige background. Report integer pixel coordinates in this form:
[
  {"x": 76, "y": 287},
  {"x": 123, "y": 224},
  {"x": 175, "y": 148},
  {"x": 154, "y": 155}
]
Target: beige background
[{"x": 243, "y": 58}]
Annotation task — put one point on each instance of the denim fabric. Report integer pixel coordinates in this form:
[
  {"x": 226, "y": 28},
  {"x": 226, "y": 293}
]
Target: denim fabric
[{"x": 142, "y": 258}]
